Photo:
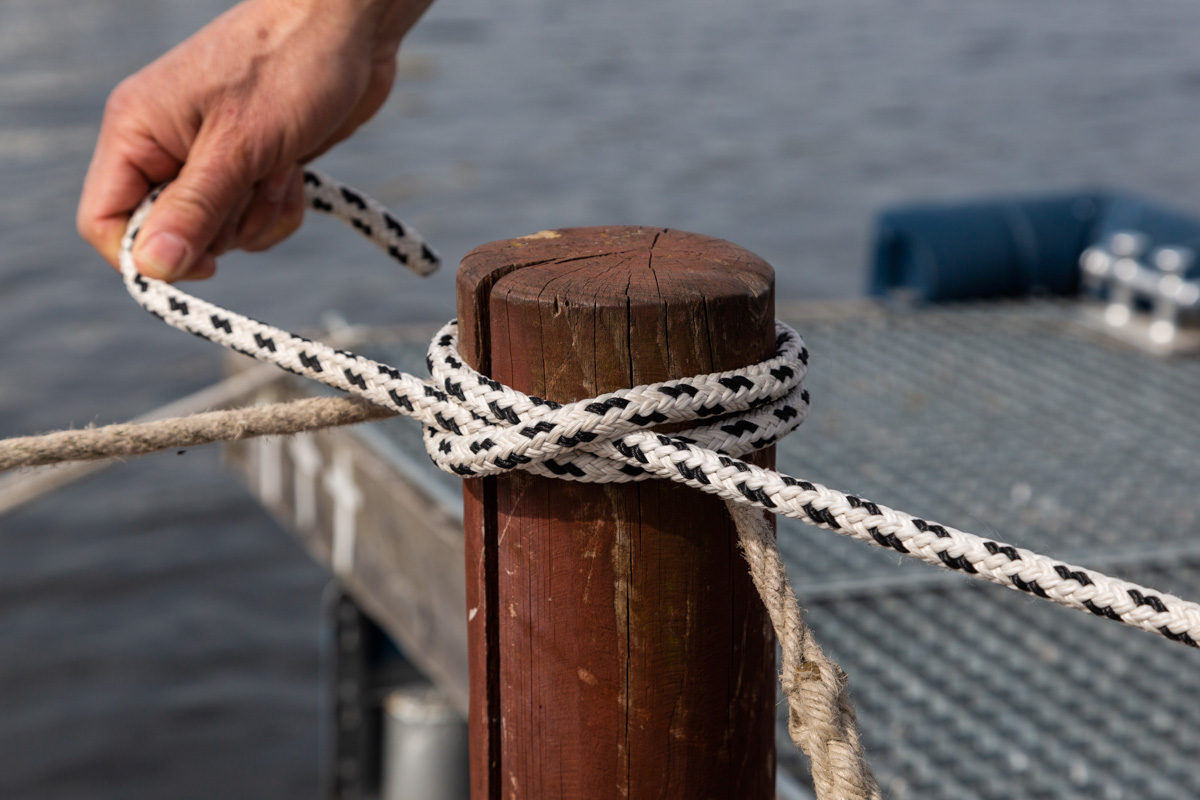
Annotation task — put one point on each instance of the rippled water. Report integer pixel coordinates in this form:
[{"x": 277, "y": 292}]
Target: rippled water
[{"x": 158, "y": 632}]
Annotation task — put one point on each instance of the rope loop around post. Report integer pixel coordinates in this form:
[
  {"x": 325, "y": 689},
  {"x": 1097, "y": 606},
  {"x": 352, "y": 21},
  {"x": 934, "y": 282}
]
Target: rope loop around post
[{"x": 584, "y": 441}]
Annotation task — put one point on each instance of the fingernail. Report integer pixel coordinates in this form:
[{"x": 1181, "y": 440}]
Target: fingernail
[{"x": 163, "y": 256}]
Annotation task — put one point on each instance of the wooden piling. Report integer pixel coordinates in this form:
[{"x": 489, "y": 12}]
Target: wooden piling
[{"x": 617, "y": 646}]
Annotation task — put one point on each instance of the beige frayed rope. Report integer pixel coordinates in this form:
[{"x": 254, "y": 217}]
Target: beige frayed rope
[
  {"x": 821, "y": 719},
  {"x": 136, "y": 439}
]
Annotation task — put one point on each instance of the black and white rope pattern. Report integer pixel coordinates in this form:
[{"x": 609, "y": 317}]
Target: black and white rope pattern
[{"x": 476, "y": 426}]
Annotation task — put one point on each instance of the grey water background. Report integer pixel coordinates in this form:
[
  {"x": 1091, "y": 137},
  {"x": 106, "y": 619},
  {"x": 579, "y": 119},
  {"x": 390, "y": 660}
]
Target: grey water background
[{"x": 158, "y": 631}]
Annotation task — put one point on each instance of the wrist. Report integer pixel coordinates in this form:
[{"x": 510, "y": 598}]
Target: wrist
[{"x": 380, "y": 24}]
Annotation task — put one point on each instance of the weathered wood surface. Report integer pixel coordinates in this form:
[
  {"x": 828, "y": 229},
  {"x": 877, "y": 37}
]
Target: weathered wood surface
[
  {"x": 617, "y": 647},
  {"x": 395, "y": 548}
]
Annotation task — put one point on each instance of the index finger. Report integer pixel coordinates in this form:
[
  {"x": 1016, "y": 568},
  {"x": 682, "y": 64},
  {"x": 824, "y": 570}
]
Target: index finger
[{"x": 124, "y": 167}]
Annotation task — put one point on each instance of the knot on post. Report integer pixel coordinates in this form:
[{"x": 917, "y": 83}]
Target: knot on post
[{"x": 485, "y": 428}]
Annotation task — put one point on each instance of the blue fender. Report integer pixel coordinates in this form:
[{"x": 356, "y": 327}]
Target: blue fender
[{"x": 1008, "y": 247}]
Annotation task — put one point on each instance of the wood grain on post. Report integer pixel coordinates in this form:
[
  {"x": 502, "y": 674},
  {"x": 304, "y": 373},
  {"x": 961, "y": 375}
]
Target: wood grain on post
[{"x": 617, "y": 646}]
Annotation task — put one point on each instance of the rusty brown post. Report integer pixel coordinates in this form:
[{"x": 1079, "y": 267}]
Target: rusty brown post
[{"x": 617, "y": 646}]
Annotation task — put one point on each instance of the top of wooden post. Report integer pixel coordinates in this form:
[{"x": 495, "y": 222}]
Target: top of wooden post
[{"x": 669, "y": 282}]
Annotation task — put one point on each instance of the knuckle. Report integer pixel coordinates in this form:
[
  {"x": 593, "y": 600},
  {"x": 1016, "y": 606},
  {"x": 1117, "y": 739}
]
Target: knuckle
[
  {"x": 123, "y": 100},
  {"x": 198, "y": 199}
]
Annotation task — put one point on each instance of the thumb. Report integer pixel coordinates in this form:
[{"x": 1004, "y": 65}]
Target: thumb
[{"x": 190, "y": 213}]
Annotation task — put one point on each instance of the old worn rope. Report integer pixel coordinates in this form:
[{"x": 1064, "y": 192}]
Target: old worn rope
[
  {"x": 476, "y": 426},
  {"x": 140, "y": 438},
  {"x": 821, "y": 719}
]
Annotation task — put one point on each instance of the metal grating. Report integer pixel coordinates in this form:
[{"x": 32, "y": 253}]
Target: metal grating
[{"x": 1013, "y": 421}]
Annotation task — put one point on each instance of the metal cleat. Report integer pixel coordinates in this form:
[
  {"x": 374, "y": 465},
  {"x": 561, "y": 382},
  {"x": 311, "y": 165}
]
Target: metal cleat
[
  {"x": 1126, "y": 248},
  {"x": 1150, "y": 302},
  {"x": 1174, "y": 292}
]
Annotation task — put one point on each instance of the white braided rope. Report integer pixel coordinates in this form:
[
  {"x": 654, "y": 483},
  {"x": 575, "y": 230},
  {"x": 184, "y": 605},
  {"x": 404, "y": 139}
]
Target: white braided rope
[{"x": 476, "y": 426}]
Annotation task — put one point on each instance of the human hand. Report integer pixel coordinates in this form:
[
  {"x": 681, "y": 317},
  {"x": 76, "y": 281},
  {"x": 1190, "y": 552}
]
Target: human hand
[{"x": 229, "y": 116}]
